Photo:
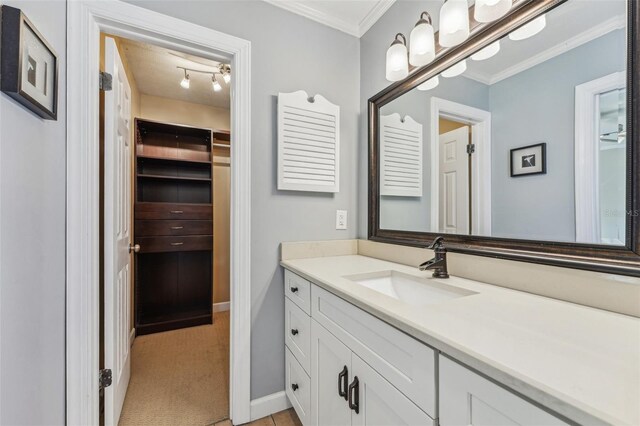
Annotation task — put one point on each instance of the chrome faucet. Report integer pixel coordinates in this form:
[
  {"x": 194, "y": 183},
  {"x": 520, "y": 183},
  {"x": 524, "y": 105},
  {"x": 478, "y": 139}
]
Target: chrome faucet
[{"x": 439, "y": 262}]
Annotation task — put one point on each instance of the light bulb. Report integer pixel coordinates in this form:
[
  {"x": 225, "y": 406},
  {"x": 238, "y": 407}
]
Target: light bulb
[
  {"x": 455, "y": 70},
  {"x": 226, "y": 77},
  {"x": 422, "y": 45},
  {"x": 185, "y": 81},
  {"x": 216, "y": 85},
  {"x": 490, "y": 10},
  {"x": 487, "y": 52},
  {"x": 530, "y": 29},
  {"x": 397, "y": 66},
  {"x": 454, "y": 23},
  {"x": 432, "y": 83}
]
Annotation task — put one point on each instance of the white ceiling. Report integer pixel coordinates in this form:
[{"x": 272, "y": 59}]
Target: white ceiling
[
  {"x": 155, "y": 72},
  {"x": 568, "y": 26},
  {"x": 353, "y": 17}
]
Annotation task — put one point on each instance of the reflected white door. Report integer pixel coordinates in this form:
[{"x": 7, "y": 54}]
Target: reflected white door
[
  {"x": 117, "y": 233},
  {"x": 454, "y": 182}
]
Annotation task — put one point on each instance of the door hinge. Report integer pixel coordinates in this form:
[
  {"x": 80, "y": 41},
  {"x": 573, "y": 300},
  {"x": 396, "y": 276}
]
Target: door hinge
[
  {"x": 105, "y": 81},
  {"x": 105, "y": 378},
  {"x": 471, "y": 148}
]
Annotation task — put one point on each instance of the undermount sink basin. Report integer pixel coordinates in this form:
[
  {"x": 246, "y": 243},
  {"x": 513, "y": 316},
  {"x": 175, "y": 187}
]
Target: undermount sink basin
[{"x": 409, "y": 289}]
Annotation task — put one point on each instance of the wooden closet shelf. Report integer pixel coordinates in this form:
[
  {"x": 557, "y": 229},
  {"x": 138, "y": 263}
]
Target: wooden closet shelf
[
  {"x": 181, "y": 178},
  {"x": 172, "y": 159}
]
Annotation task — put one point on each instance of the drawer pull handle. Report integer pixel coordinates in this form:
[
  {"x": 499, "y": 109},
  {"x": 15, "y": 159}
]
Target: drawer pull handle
[
  {"x": 177, "y": 211},
  {"x": 177, "y": 227},
  {"x": 354, "y": 395},
  {"x": 343, "y": 379},
  {"x": 177, "y": 244},
  {"x": 294, "y": 289},
  {"x": 294, "y": 331},
  {"x": 294, "y": 387}
]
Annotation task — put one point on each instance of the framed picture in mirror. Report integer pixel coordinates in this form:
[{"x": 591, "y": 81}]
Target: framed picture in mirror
[
  {"x": 529, "y": 160},
  {"x": 29, "y": 65}
]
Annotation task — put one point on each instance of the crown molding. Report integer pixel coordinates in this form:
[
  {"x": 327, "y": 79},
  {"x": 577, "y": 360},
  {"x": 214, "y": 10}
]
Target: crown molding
[{"x": 351, "y": 28}]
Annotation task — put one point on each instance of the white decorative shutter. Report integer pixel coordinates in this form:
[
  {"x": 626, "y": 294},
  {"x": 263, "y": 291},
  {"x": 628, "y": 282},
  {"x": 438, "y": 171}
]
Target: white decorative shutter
[
  {"x": 308, "y": 143},
  {"x": 400, "y": 156}
]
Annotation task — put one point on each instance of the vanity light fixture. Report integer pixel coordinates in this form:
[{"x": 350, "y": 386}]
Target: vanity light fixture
[
  {"x": 455, "y": 70},
  {"x": 225, "y": 70},
  {"x": 422, "y": 44},
  {"x": 397, "y": 59},
  {"x": 432, "y": 83},
  {"x": 454, "y": 23},
  {"x": 487, "y": 52},
  {"x": 530, "y": 29},
  {"x": 490, "y": 10},
  {"x": 185, "y": 81},
  {"x": 216, "y": 86}
]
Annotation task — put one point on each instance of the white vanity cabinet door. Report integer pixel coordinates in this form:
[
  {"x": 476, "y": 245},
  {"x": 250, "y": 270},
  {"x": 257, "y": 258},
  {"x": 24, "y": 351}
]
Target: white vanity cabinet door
[
  {"x": 467, "y": 398},
  {"x": 329, "y": 357},
  {"x": 380, "y": 403}
]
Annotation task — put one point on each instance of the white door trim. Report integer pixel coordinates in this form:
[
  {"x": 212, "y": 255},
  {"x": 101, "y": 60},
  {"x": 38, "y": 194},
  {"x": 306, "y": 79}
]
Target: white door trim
[
  {"x": 586, "y": 155},
  {"x": 85, "y": 20},
  {"x": 480, "y": 122}
]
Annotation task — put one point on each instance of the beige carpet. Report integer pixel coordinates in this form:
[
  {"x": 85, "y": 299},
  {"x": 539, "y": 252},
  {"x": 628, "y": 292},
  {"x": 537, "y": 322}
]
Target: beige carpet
[{"x": 180, "y": 377}]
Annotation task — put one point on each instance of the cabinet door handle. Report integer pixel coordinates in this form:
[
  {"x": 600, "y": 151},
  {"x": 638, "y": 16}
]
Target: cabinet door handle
[
  {"x": 294, "y": 289},
  {"x": 177, "y": 227},
  {"x": 176, "y": 211},
  {"x": 177, "y": 244},
  {"x": 343, "y": 379},
  {"x": 294, "y": 331},
  {"x": 354, "y": 395},
  {"x": 294, "y": 387}
]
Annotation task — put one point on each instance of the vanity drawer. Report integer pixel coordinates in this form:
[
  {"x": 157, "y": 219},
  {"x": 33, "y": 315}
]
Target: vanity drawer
[
  {"x": 297, "y": 387},
  {"x": 173, "y": 227},
  {"x": 168, "y": 244},
  {"x": 297, "y": 331},
  {"x": 406, "y": 363},
  {"x": 173, "y": 211},
  {"x": 298, "y": 290}
]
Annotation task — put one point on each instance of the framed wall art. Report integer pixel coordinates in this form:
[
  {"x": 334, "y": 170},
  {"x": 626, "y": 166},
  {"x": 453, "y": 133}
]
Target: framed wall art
[{"x": 529, "y": 160}]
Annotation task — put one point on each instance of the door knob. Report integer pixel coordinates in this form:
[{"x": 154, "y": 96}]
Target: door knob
[{"x": 135, "y": 248}]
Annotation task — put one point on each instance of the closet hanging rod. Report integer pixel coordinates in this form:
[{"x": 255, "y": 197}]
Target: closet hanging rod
[{"x": 221, "y": 145}]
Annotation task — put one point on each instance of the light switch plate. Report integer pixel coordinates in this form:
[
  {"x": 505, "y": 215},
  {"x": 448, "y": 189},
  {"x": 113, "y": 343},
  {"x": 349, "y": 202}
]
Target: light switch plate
[{"x": 341, "y": 219}]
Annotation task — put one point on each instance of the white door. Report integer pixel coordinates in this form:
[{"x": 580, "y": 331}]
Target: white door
[
  {"x": 330, "y": 375},
  {"x": 117, "y": 234},
  {"x": 379, "y": 402},
  {"x": 454, "y": 181}
]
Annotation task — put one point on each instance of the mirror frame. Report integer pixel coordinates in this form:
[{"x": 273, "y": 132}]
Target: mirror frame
[{"x": 623, "y": 260}]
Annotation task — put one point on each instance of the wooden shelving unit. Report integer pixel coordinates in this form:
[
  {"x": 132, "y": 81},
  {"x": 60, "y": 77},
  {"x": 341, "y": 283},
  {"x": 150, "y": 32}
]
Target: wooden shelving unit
[{"x": 173, "y": 224}]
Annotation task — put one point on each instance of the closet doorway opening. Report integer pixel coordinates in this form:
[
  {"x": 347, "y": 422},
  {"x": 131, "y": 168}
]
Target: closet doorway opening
[
  {"x": 101, "y": 225},
  {"x": 165, "y": 146}
]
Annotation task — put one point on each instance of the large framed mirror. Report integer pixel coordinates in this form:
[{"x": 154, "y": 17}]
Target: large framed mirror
[{"x": 519, "y": 143}]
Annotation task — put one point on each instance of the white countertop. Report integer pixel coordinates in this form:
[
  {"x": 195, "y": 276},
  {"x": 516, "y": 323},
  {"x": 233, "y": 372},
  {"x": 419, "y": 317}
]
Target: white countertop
[{"x": 581, "y": 362}]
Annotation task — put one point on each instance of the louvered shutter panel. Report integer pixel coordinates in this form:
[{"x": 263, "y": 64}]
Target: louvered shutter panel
[
  {"x": 400, "y": 156},
  {"x": 308, "y": 143}
]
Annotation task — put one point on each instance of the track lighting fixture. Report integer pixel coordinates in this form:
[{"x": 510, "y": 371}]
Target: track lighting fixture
[
  {"x": 185, "y": 81},
  {"x": 223, "y": 69},
  {"x": 216, "y": 86}
]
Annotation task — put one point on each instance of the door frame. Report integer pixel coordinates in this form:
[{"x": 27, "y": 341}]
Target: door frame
[
  {"x": 587, "y": 171},
  {"x": 85, "y": 21},
  {"x": 480, "y": 122}
]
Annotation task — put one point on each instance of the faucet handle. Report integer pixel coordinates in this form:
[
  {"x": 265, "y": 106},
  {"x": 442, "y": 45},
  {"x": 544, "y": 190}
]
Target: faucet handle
[{"x": 437, "y": 243}]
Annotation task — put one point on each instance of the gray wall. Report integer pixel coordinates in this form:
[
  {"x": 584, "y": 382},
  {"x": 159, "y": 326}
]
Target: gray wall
[
  {"x": 537, "y": 105},
  {"x": 289, "y": 53},
  {"x": 32, "y": 245}
]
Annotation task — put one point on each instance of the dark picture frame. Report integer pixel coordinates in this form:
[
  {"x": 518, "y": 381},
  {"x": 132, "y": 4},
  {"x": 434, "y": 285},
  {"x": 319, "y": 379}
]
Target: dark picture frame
[
  {"x": 519, "y": 163},
  {"x": 622, "y": 260},
  {"x": 39, "y": 82}
]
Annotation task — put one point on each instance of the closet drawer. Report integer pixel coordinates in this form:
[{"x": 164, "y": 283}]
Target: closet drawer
[
  {"x": 406, "y": 363},
  {"x": 298, "y": 290},
  {"x": 297, "y": 387},
  {"x": 173, "y": 211},
  {"x": 297, "y": 332},
  {"x": 167, "y": 244},
  {"x": 146, "y": 228}
]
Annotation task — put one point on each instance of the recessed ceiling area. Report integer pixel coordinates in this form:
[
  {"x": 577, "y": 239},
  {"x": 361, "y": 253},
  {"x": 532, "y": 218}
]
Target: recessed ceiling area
[{"x": 156, "y": 72}]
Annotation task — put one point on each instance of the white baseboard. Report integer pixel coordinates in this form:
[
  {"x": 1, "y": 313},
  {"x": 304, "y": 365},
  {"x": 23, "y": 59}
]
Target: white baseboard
[
  {"x": 132, "y": 336},
  {"x": 267, "y": 405},
  {"x": 221, "y": 306}
]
